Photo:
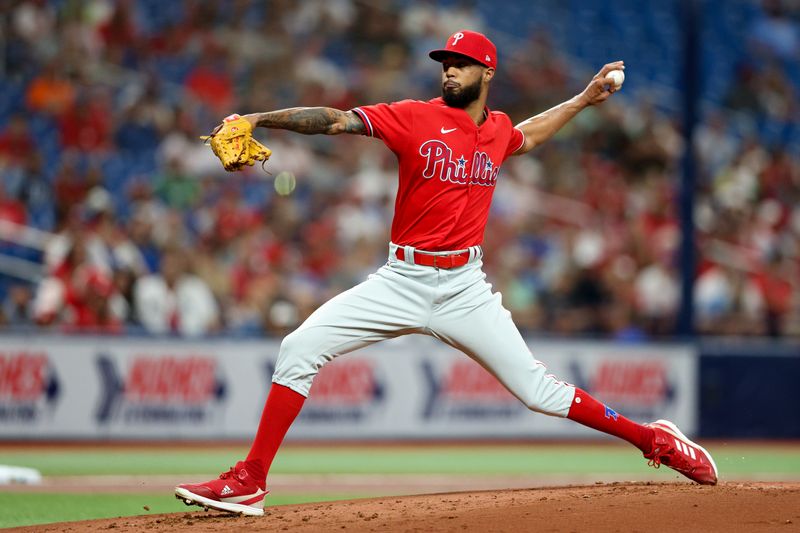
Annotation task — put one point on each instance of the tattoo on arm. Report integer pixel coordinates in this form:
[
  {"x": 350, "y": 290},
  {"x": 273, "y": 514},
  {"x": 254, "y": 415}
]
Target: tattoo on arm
[
  {"x": 312, "y": 120},
  {"x": 353, "y": 123}
]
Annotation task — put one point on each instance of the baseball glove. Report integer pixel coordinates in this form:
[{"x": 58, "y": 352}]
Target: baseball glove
[{"x": 234, "y": 145}]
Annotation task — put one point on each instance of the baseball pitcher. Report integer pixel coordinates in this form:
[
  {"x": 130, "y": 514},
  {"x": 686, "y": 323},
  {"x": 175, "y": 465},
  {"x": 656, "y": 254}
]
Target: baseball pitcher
[{"x": 450, "y": 150}]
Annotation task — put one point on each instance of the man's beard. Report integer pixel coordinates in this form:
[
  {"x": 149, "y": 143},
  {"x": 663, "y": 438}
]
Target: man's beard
[{"x": 464, "y": 97}]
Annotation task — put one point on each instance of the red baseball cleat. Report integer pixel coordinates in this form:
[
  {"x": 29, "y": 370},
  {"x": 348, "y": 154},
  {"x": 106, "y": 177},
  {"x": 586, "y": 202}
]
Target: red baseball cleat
[
  {"x": 672, "y": 448},
  {"x": 239, "y": 490}
]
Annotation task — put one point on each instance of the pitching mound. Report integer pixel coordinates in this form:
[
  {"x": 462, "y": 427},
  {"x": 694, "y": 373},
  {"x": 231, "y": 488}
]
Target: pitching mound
[{"x": 728, "y": 507}]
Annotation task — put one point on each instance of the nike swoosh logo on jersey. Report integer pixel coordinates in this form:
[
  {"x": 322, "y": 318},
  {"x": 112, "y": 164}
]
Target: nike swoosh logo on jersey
[{"x": 444, "y": 131}]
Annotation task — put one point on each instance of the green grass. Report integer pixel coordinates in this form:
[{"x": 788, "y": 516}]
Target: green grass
[
  {"x": 20, "y": 509},
  {"x": 533, "y": 459},
  {"x": 24, "y": 509},
  {"x": 17, "y": 509}
]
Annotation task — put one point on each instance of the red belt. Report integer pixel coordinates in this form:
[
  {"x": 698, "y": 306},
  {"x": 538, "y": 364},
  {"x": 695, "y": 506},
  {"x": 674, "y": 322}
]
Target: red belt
[{"x": 448, "y": 261}]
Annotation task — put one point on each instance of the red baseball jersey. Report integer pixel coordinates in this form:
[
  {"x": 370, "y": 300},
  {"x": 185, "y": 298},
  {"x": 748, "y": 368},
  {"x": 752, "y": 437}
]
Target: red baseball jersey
[{"x": 448, "y": 169}]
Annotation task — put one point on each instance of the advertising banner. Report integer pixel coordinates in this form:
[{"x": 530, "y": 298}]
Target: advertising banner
[{"x": 413, "y": 387}]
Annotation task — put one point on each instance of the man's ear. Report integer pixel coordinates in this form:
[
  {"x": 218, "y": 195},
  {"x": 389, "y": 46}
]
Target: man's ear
[{"x": 488, "y": 74}]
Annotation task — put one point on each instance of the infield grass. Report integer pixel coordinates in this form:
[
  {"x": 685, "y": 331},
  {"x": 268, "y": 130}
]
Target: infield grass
[
  {"x": 533, "y": 459},
  {"x": 21, "y": 509},
  {"x": 24, "y": 507}
]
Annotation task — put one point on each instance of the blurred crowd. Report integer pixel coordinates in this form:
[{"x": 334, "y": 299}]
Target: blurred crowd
[{"x": 115, "y": 218}]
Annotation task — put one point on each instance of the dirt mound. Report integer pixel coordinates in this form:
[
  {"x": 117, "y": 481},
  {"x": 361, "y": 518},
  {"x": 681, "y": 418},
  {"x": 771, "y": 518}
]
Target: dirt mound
[{"x": 751, "y": 507}]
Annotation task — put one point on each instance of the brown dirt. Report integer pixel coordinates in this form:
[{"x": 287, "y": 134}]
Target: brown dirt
[{"x": 645, "y": 507}]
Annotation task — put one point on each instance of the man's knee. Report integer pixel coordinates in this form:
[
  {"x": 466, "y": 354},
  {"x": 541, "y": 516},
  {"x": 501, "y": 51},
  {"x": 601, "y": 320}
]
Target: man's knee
[
  {"x": 291, "y": 344},
  {"x": 549, "y": 397},
  {"x": 297, "y": 360}
]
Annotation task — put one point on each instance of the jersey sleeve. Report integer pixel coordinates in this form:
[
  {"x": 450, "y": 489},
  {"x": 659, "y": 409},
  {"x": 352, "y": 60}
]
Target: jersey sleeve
[
  {"x": 391, "y": 123},
  {"x": 515, "y": 142},
  {"x": 507, "y": 130}
]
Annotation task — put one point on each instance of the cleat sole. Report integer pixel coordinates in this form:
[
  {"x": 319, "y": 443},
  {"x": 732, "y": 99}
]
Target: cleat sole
[{"x": 193, "y": 499}]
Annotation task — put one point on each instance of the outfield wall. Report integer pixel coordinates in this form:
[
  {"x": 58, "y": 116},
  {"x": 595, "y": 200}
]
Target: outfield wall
[
  {"x": 748, "y": 389},
  {"x": 408, "y": 388}
]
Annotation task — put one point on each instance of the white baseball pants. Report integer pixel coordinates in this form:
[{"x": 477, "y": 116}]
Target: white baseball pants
[{"x": 455, "y": 305}]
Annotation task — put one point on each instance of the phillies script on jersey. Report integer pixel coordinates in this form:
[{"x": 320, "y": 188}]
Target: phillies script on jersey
[{"x": 448, "y": 169}]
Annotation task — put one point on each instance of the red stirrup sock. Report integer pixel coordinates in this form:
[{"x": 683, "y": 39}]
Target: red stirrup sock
[
  {"x": 282, "y": 407},
  {"x": 589, "y": 412}
]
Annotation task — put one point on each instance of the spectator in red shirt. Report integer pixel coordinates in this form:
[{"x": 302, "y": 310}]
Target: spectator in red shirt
[
  {"x": 89, "y": 303},
  {"x": 86, "y": 126},
  {"x": 70, "y": 188},
  {"x": 118, "y": 33},
  {"x": 776, "y": 290},
  {"x": 16, "y": 142},
  {"x": 210, "y": 82}
]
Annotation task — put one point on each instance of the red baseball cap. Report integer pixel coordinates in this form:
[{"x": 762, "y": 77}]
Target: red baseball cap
[{"x": 471, "y": 44}]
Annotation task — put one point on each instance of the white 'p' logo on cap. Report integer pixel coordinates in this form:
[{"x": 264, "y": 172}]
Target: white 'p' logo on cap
[{"x": 457, "y": 37}]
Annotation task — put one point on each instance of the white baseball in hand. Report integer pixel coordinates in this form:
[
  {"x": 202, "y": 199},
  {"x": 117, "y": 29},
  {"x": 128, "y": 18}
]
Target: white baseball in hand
[{"x": 618, "y": 76}]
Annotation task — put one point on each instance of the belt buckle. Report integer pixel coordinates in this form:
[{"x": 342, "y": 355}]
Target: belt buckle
[{"x": 444, "y": 264}]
